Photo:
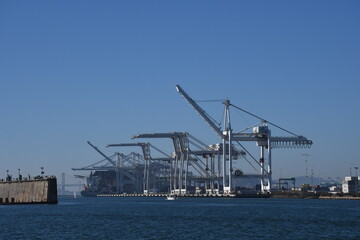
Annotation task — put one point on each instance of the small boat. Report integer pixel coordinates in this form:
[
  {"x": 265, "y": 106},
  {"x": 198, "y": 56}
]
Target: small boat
[{"x": 171, "y": 197}]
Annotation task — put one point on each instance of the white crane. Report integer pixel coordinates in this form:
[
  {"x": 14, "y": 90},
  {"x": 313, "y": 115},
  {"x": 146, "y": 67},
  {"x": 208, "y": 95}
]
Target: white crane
[{"x": 261, "y": 134}]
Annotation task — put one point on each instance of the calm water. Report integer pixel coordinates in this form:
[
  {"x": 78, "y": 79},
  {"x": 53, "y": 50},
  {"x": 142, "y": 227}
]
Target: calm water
[{"x": 156, "y": 218}]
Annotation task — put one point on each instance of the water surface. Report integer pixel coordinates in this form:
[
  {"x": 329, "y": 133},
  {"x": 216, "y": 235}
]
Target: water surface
[{"x": 185, "y": 218}]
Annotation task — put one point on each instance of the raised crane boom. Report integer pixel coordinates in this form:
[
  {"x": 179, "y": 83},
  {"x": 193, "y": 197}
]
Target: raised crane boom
[
  {"x": 200, "y": 111},
  {"x": 102, "y": 154}
]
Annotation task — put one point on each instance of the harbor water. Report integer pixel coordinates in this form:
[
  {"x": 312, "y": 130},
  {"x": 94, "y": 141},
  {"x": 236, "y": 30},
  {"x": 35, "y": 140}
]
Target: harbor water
[{"x": 184, "y": 218}]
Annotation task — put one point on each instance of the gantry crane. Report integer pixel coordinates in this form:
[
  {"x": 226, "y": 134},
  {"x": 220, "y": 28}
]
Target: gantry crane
[
  {"x": 179, "y": 164},
  {"x": 124, "y": 165},
  {"x": 260, "y": 134},
  {"x": 155, "y": 164}
]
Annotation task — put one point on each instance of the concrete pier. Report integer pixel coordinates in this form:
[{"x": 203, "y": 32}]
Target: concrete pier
[
  {"x": 339, "y": 198},
  {"x": 34, "y": 191}
]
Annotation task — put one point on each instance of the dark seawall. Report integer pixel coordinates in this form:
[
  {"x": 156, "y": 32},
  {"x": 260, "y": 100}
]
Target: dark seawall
[{"x": 34, "y": 191}]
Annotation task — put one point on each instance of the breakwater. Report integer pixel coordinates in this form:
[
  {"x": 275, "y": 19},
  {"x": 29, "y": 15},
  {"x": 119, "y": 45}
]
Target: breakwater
[{"x": 33, "y": 191}]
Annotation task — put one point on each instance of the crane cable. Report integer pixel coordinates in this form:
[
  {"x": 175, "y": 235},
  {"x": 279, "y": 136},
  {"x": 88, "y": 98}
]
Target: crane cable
[
  {"x": 252, "y": 158},
  {"x": 198, "y": 141},
  {"x": 214, "y": 121},
  {"x": 263, "y": 120}
]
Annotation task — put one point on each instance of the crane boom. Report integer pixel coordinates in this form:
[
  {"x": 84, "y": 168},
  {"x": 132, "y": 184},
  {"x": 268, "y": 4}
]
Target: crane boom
[
  {"x": 144, "y": 146},
  {"x": 201, "y": 111},
  {"x": 102, "y": 154},
  {"x": 158, "y": 135}
]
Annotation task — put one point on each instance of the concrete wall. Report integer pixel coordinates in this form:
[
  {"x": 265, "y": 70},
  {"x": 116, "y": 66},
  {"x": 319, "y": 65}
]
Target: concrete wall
[{"x": 29, "y": 191}]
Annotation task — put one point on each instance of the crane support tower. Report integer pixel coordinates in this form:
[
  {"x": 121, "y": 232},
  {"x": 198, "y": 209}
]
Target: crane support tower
[
  {"x": 225, "y": 135},
  {"x": 180, "y": 165}
]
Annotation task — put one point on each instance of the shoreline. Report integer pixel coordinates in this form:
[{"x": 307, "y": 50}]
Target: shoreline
[{"x": 273, "y": 196}]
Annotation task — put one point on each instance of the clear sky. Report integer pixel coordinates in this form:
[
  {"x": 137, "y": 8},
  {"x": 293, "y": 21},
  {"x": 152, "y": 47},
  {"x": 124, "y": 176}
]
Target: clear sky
[{"x": 72, "y": 71}]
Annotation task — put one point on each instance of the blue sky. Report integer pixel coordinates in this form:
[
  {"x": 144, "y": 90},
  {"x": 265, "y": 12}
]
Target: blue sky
[{"x": 73, "y": 71}]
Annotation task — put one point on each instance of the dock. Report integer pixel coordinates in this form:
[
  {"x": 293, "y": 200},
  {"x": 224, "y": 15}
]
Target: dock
[
  {"x": 42, "y": 190},
  {"x": 294, "y": 196},
  {"x": 339, "y": 198},
  {"x": 189, "y": 195}
]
